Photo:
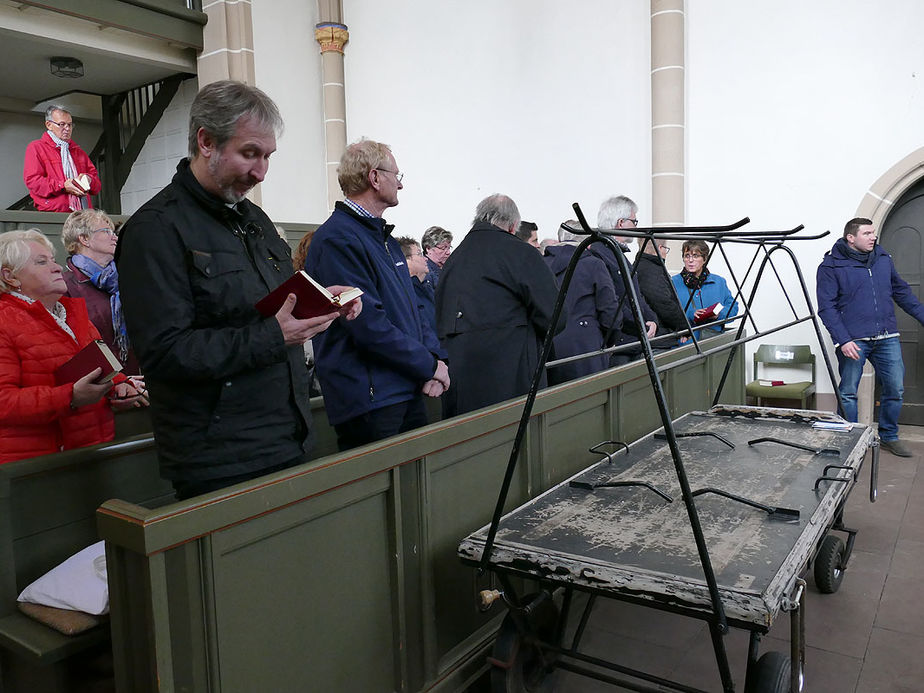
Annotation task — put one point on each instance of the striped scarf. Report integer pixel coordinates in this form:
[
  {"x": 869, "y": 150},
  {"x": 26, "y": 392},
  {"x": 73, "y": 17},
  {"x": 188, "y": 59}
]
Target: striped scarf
[{"x": 70, "y": 172}]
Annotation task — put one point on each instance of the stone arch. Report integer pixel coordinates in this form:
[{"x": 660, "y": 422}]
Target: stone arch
[{"x": 883, "y": 194}]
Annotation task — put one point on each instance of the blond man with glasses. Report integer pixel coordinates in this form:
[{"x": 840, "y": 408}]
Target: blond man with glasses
[{"x": 58, "y": 174}]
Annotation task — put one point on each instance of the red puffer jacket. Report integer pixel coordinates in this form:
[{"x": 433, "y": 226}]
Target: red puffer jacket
[{"x": 35, "y": 414}]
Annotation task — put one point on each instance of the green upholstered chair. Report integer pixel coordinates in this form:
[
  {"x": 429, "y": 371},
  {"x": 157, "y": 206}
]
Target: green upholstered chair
[{"x": 787, "y": 356}]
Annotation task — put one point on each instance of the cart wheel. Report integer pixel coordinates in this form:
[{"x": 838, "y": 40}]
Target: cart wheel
[
  {"x": 772, "y": 674},
  {"x": 828, "y": 569},
  {"x": 526, "y": 672}
]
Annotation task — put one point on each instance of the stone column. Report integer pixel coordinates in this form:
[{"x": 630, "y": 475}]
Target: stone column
[
  {"x": 227, "y": 43},
  {"x": 667, "y": 115},
  {"x": 331, "y": 34}
]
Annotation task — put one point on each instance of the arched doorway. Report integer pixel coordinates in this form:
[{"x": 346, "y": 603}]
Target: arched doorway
[{"x": 902, "y": 236}]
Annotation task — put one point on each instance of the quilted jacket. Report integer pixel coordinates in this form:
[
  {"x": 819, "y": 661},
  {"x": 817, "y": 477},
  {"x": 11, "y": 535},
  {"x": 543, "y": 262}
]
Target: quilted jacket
[{"x": 35, "y": 414}]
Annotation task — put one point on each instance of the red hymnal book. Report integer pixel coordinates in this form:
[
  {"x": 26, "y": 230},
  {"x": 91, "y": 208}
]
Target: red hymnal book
[
  {"x": 312, "y": 298},
  {"x": 771, "y": 383},
  {"x": 710, "y": 314},
  {"x": 94, "y": 355}
]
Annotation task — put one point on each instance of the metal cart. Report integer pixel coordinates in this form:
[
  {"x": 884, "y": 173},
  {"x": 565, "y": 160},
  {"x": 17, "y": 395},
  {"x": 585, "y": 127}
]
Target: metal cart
[{"x": 768, "y": 490}]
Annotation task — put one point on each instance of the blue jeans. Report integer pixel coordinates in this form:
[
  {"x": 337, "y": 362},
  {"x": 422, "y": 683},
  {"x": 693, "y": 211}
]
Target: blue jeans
[{"x": 886, "y": 357}]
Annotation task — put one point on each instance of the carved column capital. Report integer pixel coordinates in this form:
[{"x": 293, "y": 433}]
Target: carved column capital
[{"x": 331, "y": 36}]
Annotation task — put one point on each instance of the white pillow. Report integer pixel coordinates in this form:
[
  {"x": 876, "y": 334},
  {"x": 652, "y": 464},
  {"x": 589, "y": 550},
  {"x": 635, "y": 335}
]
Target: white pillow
[{"x": 78, "y": 584}]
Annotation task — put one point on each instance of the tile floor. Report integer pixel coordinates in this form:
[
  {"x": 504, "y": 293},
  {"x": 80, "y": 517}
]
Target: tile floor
[{"x": 868, "y": 637}]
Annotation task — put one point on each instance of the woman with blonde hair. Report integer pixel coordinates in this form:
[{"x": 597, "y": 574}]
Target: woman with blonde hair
[
  {"x": 41, "y": 329},
  {"x": 90, "y": 273}
]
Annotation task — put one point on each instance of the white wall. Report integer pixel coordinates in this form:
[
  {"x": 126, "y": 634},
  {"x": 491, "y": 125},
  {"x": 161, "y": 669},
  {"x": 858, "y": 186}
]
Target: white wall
[
  {"x": 794, "y": 110},
  {"x": 167, "y": 144},
  {"x": 546, "y": 103}
]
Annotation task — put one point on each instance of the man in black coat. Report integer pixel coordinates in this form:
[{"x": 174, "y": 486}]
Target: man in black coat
[
  {"x": 656, "y": 286},
  {"x": 593, "y": 314},
  {"x": 615, "y": 213},
  {"x": 494, "y": 306}
]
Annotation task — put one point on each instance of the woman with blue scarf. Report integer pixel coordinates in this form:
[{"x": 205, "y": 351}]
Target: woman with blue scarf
[{"x": 90, "y": 241}]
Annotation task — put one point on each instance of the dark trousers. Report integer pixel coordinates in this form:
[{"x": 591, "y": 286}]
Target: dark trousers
[
  {"x": 381, "y": 423},
  {"x": 188, "y": 488}
]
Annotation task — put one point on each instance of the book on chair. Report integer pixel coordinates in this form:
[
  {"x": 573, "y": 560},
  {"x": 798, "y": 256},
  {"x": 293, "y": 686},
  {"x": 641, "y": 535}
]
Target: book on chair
[
  {"x": 770, "y": 383},
  {"x": 312, "y": 298},
  {"x": 711, "y": 314},
  {"x": 94, "y": 355}
]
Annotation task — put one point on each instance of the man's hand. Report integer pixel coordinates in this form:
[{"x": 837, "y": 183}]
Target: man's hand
[
  {"x": 851, "y": 350},
  {"x": 73, "y": 189},
  {"x": 295, "y": 331},
  {"x": 652, "y": 327},
  {"x": 433, "y": 388},
  {"x": 698, "y": 315},
  {"x": 128, "y": 395},
  {"x": 442, "y": 374},
  {"x": 87, "y": 390},
  {"x": 352, "y": 309},
  {"x": 439, "y": 383}
]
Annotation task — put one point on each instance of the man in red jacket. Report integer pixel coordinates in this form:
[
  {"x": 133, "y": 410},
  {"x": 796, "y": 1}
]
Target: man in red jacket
[{"x": 58, "y": 173}]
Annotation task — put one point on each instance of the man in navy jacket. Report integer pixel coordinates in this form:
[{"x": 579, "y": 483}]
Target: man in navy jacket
[
  {"x": 375, "y": 369},
  {"x": 856, "y": 285}
]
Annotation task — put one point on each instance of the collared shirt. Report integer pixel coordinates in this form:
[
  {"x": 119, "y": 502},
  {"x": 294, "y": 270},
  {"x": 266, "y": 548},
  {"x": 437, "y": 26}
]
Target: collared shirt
[{"x": 358, "y": 208}]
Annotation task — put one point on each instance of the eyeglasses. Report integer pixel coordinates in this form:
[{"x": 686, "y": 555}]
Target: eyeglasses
[
  {"x": 106, "y": 230},
  {"x": 417, "y": 254},
  {"x": 398, "y": 176},
  {"x": 633, "y": 221},
  {"x": 692, "y": 256},
  {"x": 664, "y": 249},
  {"x": 63, "y": 126},
  {"x": 443, "y": 246}
]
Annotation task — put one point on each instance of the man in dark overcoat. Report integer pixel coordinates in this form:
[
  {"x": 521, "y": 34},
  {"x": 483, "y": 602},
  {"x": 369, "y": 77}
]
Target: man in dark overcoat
[
  {"x": 593, "y": 309},
  {"x": 494, "y": 306}
]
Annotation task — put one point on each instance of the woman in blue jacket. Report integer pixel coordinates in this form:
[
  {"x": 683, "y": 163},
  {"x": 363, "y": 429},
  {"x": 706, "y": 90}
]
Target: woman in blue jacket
[{"x": 699, "y": 289}]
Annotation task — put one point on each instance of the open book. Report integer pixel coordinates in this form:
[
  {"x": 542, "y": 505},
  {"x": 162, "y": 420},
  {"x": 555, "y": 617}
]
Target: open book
[
  {"x": 94, "y": 355},
  {"x": 312, "y": 298},
  {"x": 83, "y": 182},
  {"x": 711, "y": 314}
]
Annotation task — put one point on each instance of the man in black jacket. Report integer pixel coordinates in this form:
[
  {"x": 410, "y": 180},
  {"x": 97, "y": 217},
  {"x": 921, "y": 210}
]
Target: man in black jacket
[
  {"x": 229, "y": 387},
  {"x": 494, "y": 306},
  {"x": 656, "y": 286}
]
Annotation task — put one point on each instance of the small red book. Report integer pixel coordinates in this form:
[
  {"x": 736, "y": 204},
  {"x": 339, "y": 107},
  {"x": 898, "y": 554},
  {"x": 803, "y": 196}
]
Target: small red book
[
  {"x": 312, "y": 298},
  {"x": 711, "y": 313},
  {"x": 771, "y": 383},
  {"x": 94, "y": 355}
]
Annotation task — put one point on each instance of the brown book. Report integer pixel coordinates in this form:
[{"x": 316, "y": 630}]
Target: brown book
[
  {"x": 94, "y": 355},
  {"x": 312, "y": 298}
]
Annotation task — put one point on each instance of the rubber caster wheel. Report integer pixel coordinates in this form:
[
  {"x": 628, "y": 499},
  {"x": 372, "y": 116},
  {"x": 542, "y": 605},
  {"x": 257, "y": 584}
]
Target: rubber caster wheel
[
  {"x": 828, "y": 565},
  {"x": 772, "y": 674},
  {"x": 528, "y": 671}
]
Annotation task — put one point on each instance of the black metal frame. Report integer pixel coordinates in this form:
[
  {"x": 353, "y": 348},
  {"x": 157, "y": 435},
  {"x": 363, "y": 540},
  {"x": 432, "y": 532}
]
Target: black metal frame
[{"x": 716, "y": 620}]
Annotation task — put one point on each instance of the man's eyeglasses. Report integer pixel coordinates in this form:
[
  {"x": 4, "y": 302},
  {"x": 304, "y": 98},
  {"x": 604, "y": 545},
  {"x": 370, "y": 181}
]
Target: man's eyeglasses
[
  {"x": 398, "y": 176},
  {"x": 107, "y": 231},
  {"x": 634, "y": 222},
  {"x": 692, "y": 256},
  {"x": 664, "y": 249},
  {"x": 63, "y": 126}
]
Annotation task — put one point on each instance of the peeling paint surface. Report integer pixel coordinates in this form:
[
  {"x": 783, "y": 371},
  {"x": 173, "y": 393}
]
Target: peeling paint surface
[{"x": 631, "y": 541}]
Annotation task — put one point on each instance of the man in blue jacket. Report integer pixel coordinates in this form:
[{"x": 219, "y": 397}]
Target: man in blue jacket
[
  {"x": 375, "y": 369},
  {"x": 856, "y": 285}
]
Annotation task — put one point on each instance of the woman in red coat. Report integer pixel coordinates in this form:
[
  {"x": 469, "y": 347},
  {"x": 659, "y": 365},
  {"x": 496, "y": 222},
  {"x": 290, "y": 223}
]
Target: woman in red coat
[{"x": 39, "y": 331}]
